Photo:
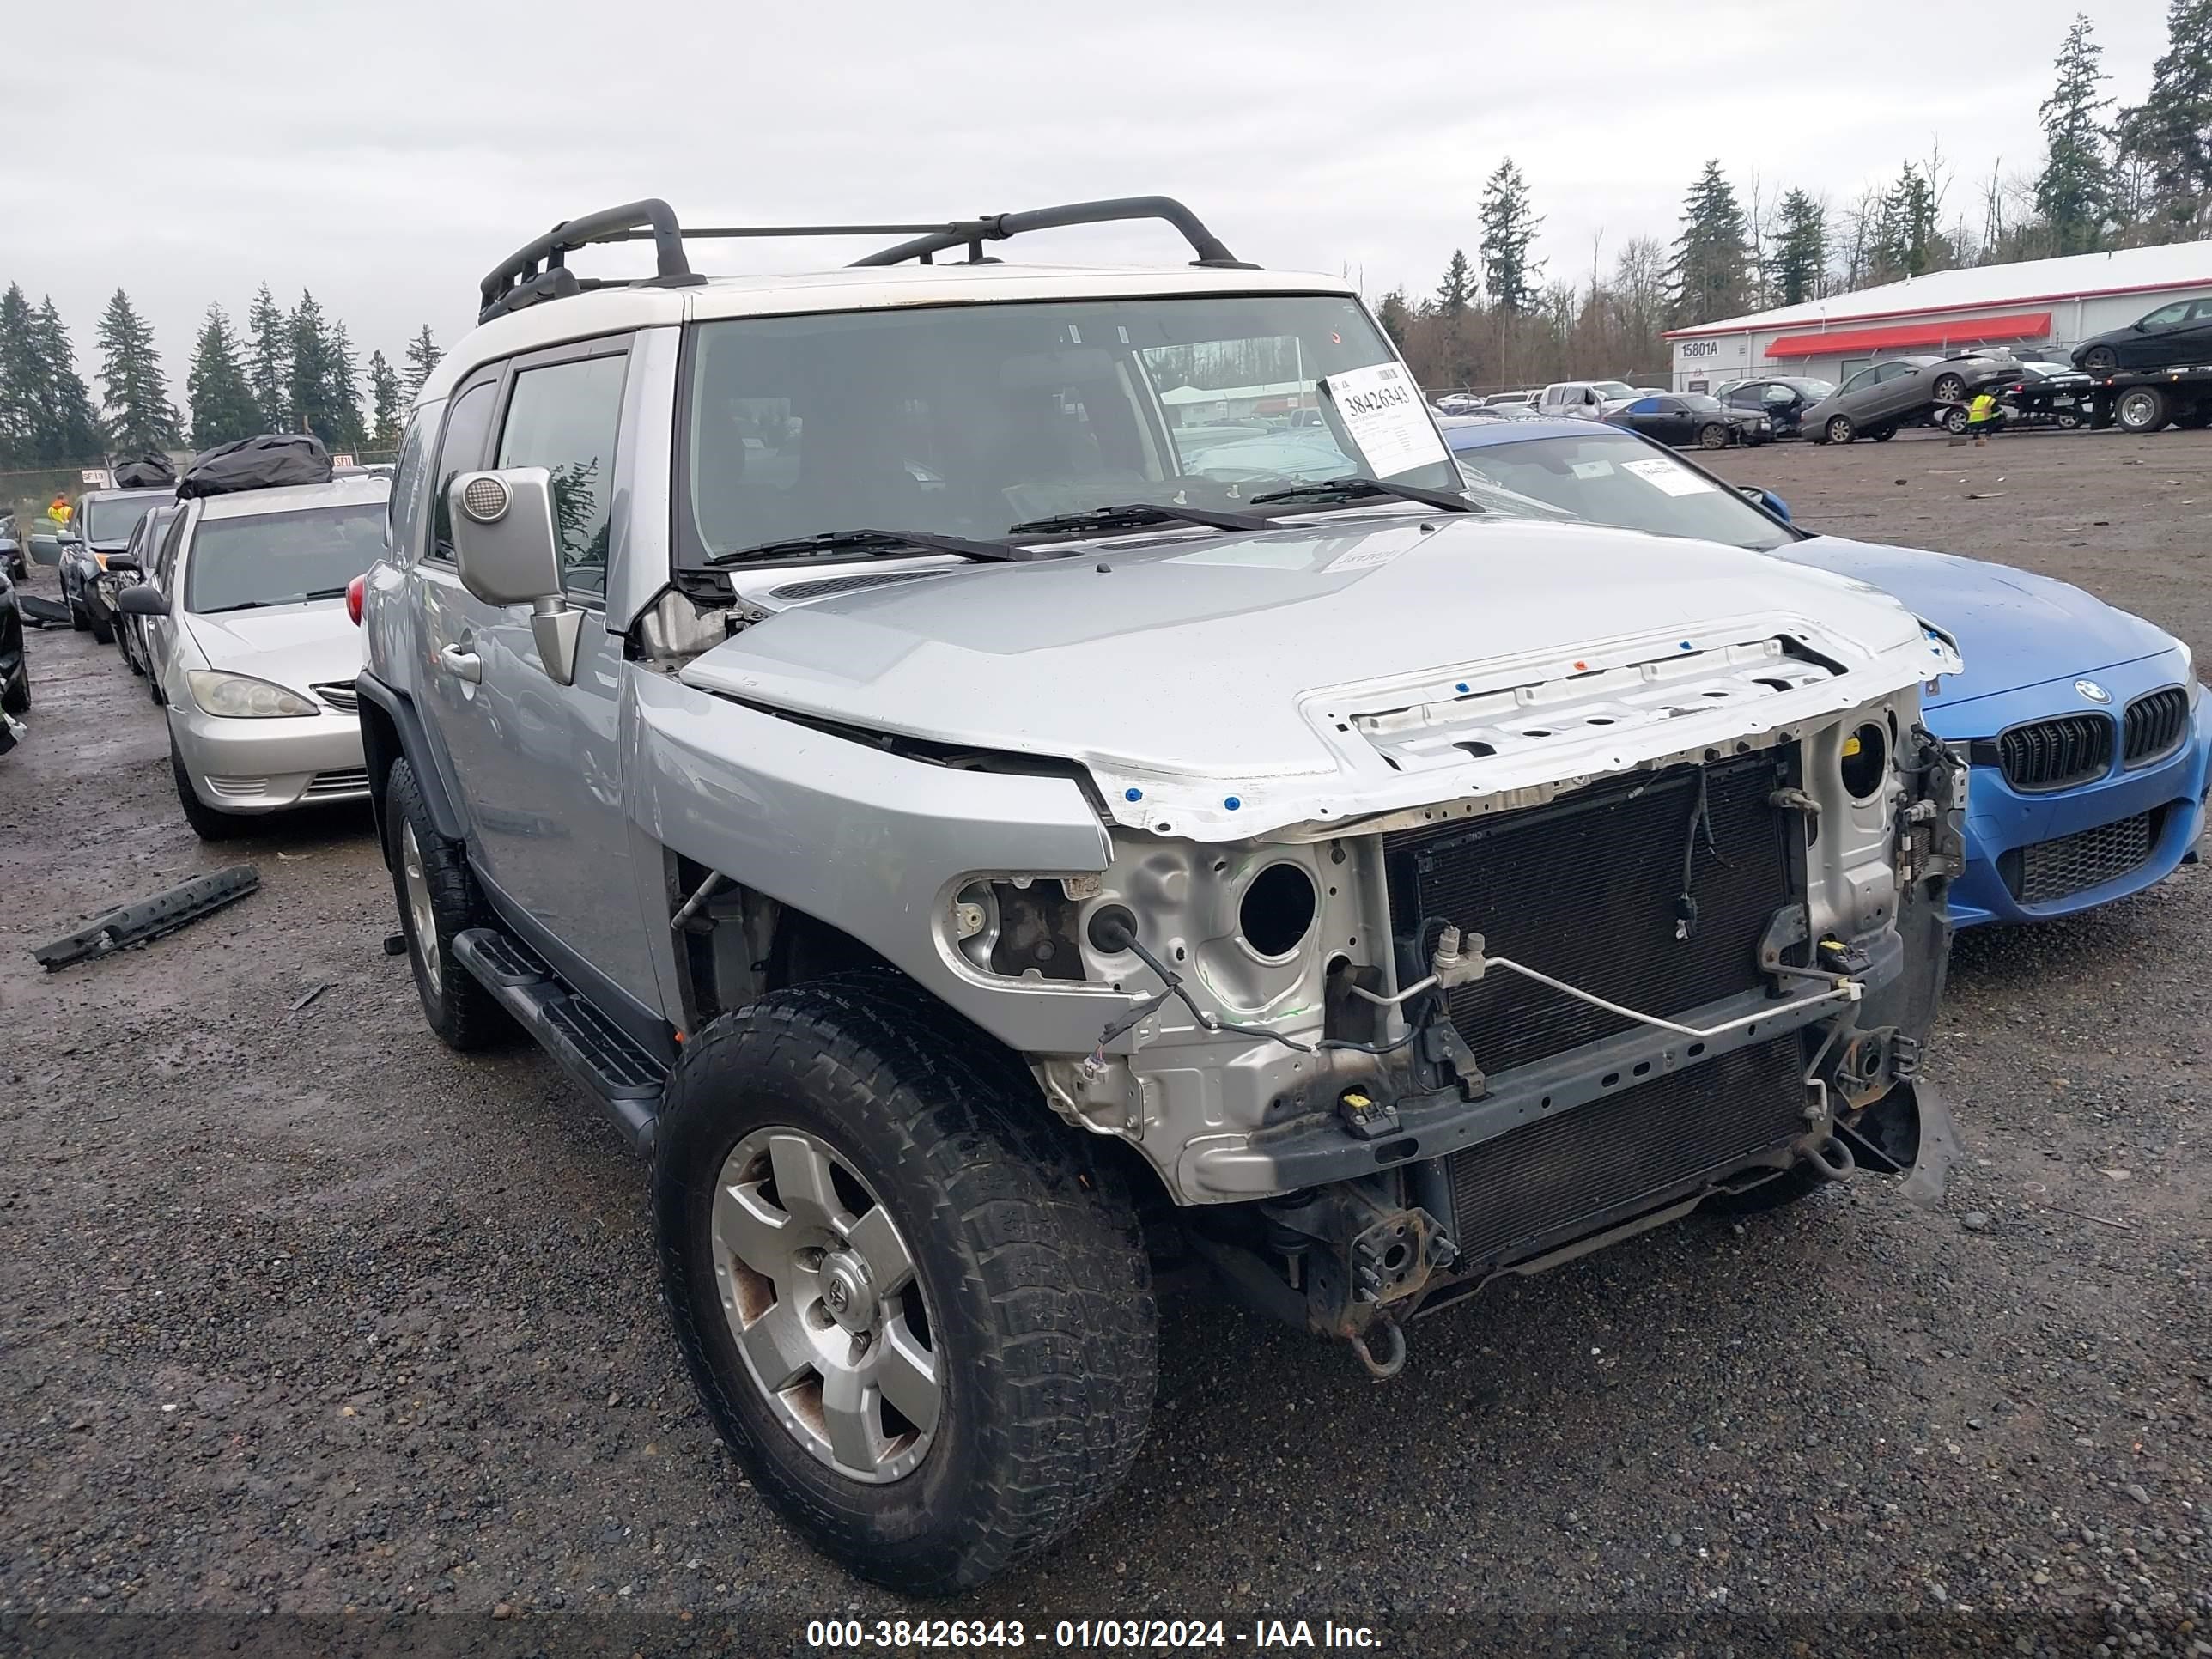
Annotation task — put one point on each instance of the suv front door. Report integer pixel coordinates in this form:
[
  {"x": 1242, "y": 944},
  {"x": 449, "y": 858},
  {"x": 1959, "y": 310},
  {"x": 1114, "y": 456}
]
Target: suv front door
[{"x": 538, "y": 762}]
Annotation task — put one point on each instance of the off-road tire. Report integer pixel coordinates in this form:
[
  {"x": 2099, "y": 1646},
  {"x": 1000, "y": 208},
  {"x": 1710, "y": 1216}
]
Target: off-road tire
[
  {"x": 1840, "y": 431},
  {"x": 1025, "y": 1242},
  {"x": 464, "y": 1014},
  {"x": 1799, "y": 1183},
  {"x": 207, "y": 823},
  {"x": 1712, "y": 436}
]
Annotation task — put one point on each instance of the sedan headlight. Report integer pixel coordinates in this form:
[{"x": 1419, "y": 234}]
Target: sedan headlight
[{"x": 238, "y": 697}]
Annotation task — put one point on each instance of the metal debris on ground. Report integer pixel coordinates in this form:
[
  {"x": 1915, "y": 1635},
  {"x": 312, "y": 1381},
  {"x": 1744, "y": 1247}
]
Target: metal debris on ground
[
  {"x": 307, "y": 997},
  {"x": 150, "y": 918}
]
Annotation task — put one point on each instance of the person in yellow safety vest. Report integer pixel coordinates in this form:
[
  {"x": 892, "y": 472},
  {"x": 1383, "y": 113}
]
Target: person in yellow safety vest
[
  {"x": 1981, "y": 416},
  {"x": 58, "y": 510}
]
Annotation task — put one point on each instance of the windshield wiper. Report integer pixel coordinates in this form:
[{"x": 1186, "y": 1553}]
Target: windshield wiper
[
  {"x": 867, "y": 541},
  {"x": 243, "y": 604},
  {"x": 1136, "y": 515},
  {"x": 1352, "y": 488}
]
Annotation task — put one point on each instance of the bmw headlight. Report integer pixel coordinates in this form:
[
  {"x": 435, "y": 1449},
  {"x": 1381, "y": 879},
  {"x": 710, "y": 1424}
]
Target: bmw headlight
[{"x": 239, "y": 696}]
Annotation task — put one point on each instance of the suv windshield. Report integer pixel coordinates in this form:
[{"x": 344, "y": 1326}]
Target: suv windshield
[
  {"x": 968, "y": 420},
  {"x": 281, "y": 558},
  {"x": 1614, "y": 478},
  {"x": 113, "y": 521}
]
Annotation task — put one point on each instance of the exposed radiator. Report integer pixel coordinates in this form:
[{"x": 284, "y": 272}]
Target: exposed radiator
[
  {"x": 1552, "y": 1181},
  {"x": 1588, "y": 888}
]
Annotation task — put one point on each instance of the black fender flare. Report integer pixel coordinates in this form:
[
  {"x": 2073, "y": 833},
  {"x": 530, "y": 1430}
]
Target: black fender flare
[{"x": 392, "y": 729}]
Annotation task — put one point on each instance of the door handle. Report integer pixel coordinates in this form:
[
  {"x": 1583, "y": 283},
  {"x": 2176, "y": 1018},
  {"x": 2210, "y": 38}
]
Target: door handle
[{"x": 461, "y": 665}]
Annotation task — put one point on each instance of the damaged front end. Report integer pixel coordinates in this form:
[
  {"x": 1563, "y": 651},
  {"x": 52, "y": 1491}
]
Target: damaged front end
[{"x": 1384, "y": 1065}]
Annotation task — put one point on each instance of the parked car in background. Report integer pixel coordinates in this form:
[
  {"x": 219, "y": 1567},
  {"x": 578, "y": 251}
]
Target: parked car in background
[
  {"x": 1690, "y": 417},
  {"x": 1583, "y": 399},
  {"x": 2172, "y": 337},
  {"x": 1783, "y": 399},
  {"x": 255, "y": 653},
  {"x": 14, "y": 560},
  {"x": 103, "y": 521},
  {"x": 2090, "y": 738},
  {"x": 133, "y": 565},
  {"x": 1523, "y": 400},
  {"x": 15, "y": 668},
  {"x": 1457, "y": 402},
  {"x": 1884, "y": 396}
]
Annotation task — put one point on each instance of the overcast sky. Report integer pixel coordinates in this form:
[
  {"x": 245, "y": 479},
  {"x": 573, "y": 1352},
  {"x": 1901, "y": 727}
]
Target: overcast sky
[{"x": 385, "y": 156}]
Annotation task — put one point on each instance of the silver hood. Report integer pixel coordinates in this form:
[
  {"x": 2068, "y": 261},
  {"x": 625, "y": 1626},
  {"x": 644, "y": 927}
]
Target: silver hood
[
  {"x": 295, "y": 646},
  {"x": 1224, "y": 687}
]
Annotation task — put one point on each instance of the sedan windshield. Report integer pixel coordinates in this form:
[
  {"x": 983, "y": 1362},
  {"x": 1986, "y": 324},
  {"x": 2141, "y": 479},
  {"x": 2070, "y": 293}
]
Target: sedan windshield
[
  {"x": 1614, "y": 478},
  {"x": 281, "y": 558},
  {"x": 968, "y": 420},
  {"x": 114, "y": 521}
]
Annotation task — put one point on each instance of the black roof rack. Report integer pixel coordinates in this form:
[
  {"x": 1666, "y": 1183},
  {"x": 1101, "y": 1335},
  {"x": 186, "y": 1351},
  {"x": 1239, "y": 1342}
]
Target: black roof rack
[{"x": 538, "y": 270}]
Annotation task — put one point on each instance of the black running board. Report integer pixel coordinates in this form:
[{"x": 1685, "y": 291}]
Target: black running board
[{"x": 620, "y": 1075}]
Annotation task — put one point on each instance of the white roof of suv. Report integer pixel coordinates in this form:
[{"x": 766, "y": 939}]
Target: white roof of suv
[{"x": 614, "y": 310}]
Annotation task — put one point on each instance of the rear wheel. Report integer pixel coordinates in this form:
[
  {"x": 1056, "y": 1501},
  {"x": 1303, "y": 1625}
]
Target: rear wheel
[
  {"x": 2099, "y": 360},
  {"x": 1949, "y": 388},
  {"x": 207, "y": 823},
  {"x": 2143, "y": 409},
  {"x": 919, "y": 1310},
  {"x": 1840, "y": 429},
  {"x": 2194, "y": 420},
  {"x": 1882, "y": 434},
  {"x": 2067, "y": 420},
  {"x": 438, "y": 899}
]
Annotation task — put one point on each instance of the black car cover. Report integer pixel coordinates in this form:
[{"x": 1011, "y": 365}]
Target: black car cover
[
  {"x": 149, "y": 472},
  {"x": 263, "y": 463}
]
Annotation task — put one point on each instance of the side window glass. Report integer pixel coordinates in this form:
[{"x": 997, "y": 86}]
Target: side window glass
[
  {"x": 467, "y": 428},
  {"x": 166, "y": 561},
  {"x": 403, "y": 535},
  {"x": 564, "y": 418},
  {"x": 2165, "y": 315},
  {"x": 1780, "y": 394}
]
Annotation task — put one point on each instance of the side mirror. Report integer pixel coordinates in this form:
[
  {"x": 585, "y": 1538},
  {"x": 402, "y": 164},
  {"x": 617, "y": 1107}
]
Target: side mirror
[
  {"x": 1767, "y": 499},
  {"x": 504, "y": 544},
  {"x": 142, "y": 599},
  {"x": 124, "y": 562}
]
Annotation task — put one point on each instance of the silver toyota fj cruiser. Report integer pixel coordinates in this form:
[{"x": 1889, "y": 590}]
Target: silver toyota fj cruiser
[{"x": 994, "y": 772}]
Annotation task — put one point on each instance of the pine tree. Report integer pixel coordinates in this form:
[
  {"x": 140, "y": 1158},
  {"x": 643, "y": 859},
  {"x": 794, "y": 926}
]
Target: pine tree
[
  {"x": 1509, "y": 230},
  {"x": 22, "y": 383},
  {"x": 1906, "y": 236},
  {"x": 71, "y": 432},
  {"x": 343, "y": 393},
  {"x": 1801, "y": 248},
  {"x": 2075, "y": 193},
  {"x": 422, "y": 355},
  {"x": 1709, "y": 259},
  {"x": 386, "y": 408},
  {"x": 1396, "y": 317},
  {"x": 2170, "y": 133},
  {"x": 1457, "y": 292},
  {"x": 308, "y": 402},
  {"x": 223, "y": 405},
  {"x": 140, "y": 416},
  {"x": 269, "y": 360}
]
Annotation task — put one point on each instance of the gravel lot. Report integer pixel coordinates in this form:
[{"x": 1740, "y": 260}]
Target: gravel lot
[{"x": 300, "y": 1313}]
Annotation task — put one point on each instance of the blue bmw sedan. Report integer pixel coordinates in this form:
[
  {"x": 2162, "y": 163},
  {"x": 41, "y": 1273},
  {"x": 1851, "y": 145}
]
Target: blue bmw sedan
[{"x": 2089, "y": 738}]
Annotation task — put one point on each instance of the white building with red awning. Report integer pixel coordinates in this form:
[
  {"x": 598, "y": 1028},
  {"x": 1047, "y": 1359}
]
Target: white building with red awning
[{"x": 2046, "y": 305}]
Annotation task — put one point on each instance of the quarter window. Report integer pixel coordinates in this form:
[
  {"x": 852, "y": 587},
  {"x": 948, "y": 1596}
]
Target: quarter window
[
  {"x": 564, "y": 418},
  {"x": 466, "y": 429},
  {"x": 410, "y": 487}
]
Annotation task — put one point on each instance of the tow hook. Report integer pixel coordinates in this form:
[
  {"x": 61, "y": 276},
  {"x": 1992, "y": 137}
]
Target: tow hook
[
  {"x": 1831, "y": 1160},
  {"x": 1393, "y": 1350}
]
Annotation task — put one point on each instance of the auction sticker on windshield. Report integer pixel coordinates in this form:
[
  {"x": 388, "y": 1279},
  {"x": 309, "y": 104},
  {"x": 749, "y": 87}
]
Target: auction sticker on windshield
[
  {"x": 1666, "y": 476},
  {"x": 1384, "y": 412}
]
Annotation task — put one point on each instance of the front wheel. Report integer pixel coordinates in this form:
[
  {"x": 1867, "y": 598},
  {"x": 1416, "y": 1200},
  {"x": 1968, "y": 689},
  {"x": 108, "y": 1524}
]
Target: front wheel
[
  {"x": 1954, "y": 418},
  {"x": 103, "y": 631},
  {"x": 207, "y": 823},
  {"x": 15, "y": 695},
  {"x": 1712, "y": 436},
  {"x": 2067, "y": 421},
  {"x": 919, "y": 1310},
  {"x": 1840, "y": 431}
]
